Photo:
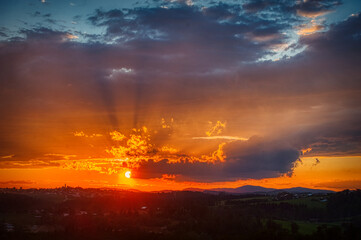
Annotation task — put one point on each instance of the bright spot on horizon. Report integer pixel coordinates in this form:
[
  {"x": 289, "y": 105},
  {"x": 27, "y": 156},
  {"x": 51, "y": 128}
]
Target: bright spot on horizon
[{"x": 128, "y": 174}]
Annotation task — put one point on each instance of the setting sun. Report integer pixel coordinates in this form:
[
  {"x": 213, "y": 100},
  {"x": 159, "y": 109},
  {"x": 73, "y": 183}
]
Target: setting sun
[{"x": 128, "y": 174}]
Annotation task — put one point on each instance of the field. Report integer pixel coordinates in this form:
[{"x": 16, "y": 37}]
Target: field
[{"x": 75, "y": 213}]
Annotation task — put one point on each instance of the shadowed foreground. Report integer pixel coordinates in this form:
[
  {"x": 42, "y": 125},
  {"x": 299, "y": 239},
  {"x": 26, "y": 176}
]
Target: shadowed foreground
[{"x": 75, "y": 213}]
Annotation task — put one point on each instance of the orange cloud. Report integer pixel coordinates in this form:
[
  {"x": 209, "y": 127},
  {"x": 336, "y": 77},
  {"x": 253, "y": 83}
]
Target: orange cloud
[
  {"x": 61, "y": 156},
  {"x": 82, "y": 134},
  {"x": 304, "y": 151},
  {"x": 79, "y": 134},
  {"x": 168, "y": 177},
  {"x": 167, "y": 149},
  {"x": 71, "y": 36},
  {"x": 219, "y": 153},
  {"x": 222, "y": 137},
  {"x": 262, "y": 38},
  {"x": 166, "y": 124},
  {"x": 117, "y": 136},
  {"x": 138, "y": 148},
  {"x": 309, "y": 29},
  {"x": 216, "y": 129},
  {"x": 312, "y": 14}
]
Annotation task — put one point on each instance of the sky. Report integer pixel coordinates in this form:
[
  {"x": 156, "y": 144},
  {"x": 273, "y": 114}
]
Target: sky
[{"x": 181, "y": 93}]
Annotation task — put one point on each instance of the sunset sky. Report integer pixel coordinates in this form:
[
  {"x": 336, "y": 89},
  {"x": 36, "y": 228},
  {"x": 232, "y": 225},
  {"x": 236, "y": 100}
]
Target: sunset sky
[{"x": 181, "y": 93}]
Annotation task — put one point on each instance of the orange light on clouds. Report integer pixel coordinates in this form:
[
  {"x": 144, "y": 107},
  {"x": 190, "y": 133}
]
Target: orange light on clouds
[
  {"x": 128, "y": 150},
  {"x": 310, "y": 28},
  {"x": 334, "y": 173}
]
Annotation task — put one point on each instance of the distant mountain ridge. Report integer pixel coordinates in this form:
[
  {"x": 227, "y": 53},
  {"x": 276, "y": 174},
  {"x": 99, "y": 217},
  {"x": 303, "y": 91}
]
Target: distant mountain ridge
[{"x": 258, "y": 189}]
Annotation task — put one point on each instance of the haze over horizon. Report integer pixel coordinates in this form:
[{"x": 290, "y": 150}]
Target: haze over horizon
[{"x": 175, "y": 94}]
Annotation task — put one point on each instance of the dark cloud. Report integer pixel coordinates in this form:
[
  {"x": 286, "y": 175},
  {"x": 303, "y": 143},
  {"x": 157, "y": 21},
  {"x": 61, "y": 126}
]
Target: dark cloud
[
  {"x": 77, "y": 18},
  {"x": 43, "y": 34},
  {"x": 314, "y": 8},
  {"x": 260, "y": 155},
  {"x": 36, "y": 14},
  {"x": 343, "y": 39},
  {"x": 101, "y": 17},
  {"x": 317, "y": 161},
  {"x": 2, "y": 34},
  {"x": 256, "y": 5},
  {"x": 256, "y": 158},
  {"x": 217, "y": 32},
  {"x": 340, "y": 137},
  {"x": 224, "y": 12},
  {"x": 309, "y": 8}
]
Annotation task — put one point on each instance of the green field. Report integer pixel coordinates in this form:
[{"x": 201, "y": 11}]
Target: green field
[
  {"x": 310, "y": 202},
  {"x": 304, "y": 227},
  {"x": 265, "y": 198}
]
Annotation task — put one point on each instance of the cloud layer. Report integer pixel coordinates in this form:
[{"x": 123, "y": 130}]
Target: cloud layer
[{"x": 174, "y": 67}]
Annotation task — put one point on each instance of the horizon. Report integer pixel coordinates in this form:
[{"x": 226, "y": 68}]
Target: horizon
[
  {"x": 203, "y": 190},
  {"x": 173, "y": 94},
  {"x": 19, "y": 187}
]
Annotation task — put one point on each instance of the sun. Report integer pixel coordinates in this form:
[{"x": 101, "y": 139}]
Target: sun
[{"x": 128, "y": 174}]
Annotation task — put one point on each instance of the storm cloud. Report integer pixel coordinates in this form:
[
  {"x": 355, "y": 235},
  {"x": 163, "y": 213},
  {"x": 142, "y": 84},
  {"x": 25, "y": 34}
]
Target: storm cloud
[{"x": 256, "y": 158}]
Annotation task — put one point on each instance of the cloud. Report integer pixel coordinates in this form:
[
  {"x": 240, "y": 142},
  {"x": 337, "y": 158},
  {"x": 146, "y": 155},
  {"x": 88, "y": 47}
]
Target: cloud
[
  {"x": 16, "y": 182},
  {"x": 212, "y": 31},
  {"x": 346, "y": 32},
  {"x": 182, "y": 2},
  {"x": 256, "y": 158},
  {"x": 310, "y": 29},
  {"x": 29, "y": 164},
  {"x": 315, "y": 8},
  {"x": 115, "y": 73},
  {"x": 58, "y": 156},
  {"x": 167, "y": 124},
  {"x": 117, "y": 136},
  {"x": 82, "y": 134},
  {"x": 341, "y": 185},
  {"x": 256, "y": 5},
  {"x": 216, "y": 129},
  {"x": 42, "y": 34},
  {"x": 307, "y": 150},
  {"x": 317, "y": 161},
  {"x": 221, "y": 137},
  {"x": 337, "y": 138},
  {"x": 268, "y": 157},
  {"x": 312, "y": 14},
  {"x": 71, "y": 36},
  {"x": 190, "y": 64}
]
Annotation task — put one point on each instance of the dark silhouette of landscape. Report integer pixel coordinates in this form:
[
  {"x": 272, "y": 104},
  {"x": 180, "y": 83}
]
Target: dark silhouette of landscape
[{"x": 77, "y": 213}]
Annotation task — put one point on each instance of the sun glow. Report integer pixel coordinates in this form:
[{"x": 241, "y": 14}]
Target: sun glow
[{"x": 128, "y": 174}]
